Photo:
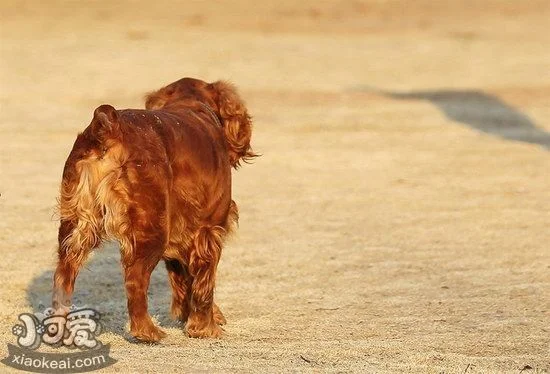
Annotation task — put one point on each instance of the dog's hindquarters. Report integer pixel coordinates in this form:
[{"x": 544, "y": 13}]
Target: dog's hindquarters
[{"x": 114, "y": 189}]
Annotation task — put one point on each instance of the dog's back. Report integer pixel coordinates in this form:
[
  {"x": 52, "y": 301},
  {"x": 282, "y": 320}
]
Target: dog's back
[{"x": 132, "y": 160}]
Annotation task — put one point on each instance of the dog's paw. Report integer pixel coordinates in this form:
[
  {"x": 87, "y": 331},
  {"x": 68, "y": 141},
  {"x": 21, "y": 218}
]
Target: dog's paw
[
  {"x": 210, "y": 331},
  {"x": 148, "y": 334}
]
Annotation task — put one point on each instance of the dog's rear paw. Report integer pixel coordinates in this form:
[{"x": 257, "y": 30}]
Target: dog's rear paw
[
  {"x": 148, "y": 334},
  {"x": 210, "y": 331},
  {"x": 218, "y": 316}
]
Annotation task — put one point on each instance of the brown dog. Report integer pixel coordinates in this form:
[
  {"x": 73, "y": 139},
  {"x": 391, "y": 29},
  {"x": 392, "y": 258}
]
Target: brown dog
[{"x": 159, "y": 182}]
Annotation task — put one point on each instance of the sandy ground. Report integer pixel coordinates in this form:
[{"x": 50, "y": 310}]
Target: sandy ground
[{"x": 398, "y": 220}]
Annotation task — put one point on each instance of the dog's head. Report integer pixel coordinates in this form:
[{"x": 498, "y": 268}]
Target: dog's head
[
  {"x": 180, "y": 92},
  {"x": 224, "y": 100}
]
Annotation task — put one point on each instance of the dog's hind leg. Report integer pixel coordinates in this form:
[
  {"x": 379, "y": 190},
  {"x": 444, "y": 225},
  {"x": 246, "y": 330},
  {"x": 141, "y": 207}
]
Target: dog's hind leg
[
  {"x": 142, "y": 231},
  {"x": 138, "y": 266},
  {"x": 204, "y": 257},
  {"x": 76, "y": 241},
  {"x": 80, "y": 230}
]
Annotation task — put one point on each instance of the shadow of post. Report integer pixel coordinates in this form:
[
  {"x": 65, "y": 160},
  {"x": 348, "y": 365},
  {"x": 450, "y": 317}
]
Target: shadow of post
[
  {"x": 100, "y": 286},
  {"x": 480, "y": 111}
]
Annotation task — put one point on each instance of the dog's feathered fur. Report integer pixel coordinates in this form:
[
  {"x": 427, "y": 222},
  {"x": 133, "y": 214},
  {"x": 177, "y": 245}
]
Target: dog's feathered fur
[{"x": 158, "y": 181}]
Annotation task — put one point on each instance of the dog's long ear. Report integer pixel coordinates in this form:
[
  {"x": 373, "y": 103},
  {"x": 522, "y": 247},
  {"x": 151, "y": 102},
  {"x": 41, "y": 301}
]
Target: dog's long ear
[
  {"x": 105, "y": 122},
  {"x": 237, "y": 123}
]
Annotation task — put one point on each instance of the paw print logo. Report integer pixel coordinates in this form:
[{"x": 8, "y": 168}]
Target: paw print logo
[
  {"x": 40, "y": 329},
  {"x": 18, "y": 330},
  {"x": 76, "y": 329},
  {"x": 48, "y": 312}
]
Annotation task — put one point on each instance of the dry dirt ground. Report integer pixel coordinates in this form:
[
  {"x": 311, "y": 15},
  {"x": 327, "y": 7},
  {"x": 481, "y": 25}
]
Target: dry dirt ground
[{"x": 398, "y": 220}]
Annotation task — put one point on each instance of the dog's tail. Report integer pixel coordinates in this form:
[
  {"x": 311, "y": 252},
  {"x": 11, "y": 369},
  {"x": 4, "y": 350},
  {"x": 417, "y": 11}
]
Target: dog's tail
[{"x": 237, "y": 123}]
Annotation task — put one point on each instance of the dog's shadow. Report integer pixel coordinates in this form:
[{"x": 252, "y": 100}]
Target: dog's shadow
[
  {"x": 100, "y": 286},
  {"x": 478, "y": 110}
]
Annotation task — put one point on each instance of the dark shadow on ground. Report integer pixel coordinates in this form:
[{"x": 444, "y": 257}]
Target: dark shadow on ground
[
  {"x": 480, "y": 111},
  {"x": 100, "y": 286}
]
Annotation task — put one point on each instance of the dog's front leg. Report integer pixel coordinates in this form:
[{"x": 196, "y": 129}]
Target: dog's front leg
[
  {"x": 181, "y": 283},
  {"x": 180, "y": 280},
  {"x": 204, "y": 258}
]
